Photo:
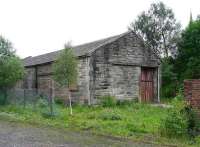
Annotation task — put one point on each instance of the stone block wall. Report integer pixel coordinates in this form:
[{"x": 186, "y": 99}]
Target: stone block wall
[
  {"x": 112, "y": 69},
  {"x": 44, "y": 70},
  {"x": 40, "y": 77},
  {"x": 115, "y": 68},
  {"x": 130, "y": 50},
  {"x": 30, "y": 80},
  {"x": 100, "y": 79},
  {"x": 82, "y": 94},
  {"x": 125, "y": 81},
  {"x": 192, "y": 93}
]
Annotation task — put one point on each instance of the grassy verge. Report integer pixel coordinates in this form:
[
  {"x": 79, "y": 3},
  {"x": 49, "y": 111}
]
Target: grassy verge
[{"x": 139, "y": 122}]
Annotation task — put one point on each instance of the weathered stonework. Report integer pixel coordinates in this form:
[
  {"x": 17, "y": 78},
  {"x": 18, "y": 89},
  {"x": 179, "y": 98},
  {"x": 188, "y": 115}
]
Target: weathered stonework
[
  {"x": 116, "y": 67},
  {"x": 108, "y": 67},
  {"x": 125, "y": 81},
  {"x": 40, "y": 77}
]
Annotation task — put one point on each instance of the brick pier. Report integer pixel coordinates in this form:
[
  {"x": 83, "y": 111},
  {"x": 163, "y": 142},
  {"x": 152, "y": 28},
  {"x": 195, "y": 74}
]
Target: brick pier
[{"x": 192, "y": 93}]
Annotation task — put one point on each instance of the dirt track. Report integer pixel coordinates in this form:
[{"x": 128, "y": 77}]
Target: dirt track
[{"x": 22, "y": 135}]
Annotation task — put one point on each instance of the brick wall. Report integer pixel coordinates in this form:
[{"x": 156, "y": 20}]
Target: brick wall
[{"x": 192, "y": 92}]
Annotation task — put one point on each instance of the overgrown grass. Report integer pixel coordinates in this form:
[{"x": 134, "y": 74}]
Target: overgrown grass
[
  {"x": 125, "y": 120},
  {"x": 136, "y": 121}
]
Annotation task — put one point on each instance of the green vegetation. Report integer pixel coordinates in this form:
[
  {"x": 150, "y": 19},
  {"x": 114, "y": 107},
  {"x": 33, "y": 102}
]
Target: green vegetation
[
  {"x": 158, "y": 28},
  {"x": 65, "y": 67},
  {"x": 11, "y": 68},
  {"x": 176, "y": 122},
  {"x": 169, "y": 78},
  {"x": 135, "y": 121},
  {"x": 65, "y": 70},
  {"x": 108, "y": 101},
  {"x": 187, "y": 63},
  {"x": 118, "y": 121},
  {"x": 177, "y": 125},
  {"x": 178, "y": 49}
]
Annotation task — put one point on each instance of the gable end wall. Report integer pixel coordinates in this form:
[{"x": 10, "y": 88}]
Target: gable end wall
[{"x": 115, "y": 68}]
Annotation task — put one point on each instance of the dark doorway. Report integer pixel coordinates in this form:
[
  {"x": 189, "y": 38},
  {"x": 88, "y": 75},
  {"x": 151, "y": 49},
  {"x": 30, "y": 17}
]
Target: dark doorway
[{"x": 147, "y": 84}]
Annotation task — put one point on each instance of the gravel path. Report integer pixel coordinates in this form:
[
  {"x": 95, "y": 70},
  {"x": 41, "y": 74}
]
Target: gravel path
[{"x": 14, "y": 134}]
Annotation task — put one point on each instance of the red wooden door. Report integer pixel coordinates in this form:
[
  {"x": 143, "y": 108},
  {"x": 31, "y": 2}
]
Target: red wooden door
[{"x": 147, "y": 85}]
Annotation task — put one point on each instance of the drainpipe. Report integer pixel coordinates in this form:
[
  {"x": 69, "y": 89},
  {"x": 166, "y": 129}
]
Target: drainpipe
[
  {"x": 88, "y": 80},
  {"x": 158, "y": 84},
  {"x": 36, "y": 79}
]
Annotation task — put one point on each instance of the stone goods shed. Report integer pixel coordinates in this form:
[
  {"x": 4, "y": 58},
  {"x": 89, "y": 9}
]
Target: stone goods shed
[{"x": 120, "y": 66}]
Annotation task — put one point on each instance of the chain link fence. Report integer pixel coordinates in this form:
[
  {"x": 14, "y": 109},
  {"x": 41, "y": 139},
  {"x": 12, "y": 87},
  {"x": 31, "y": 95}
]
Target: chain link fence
[{"x": 29, "y": 98}]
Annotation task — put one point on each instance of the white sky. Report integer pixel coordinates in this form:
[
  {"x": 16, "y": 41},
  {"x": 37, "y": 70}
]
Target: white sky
[{"x": 40, "y": 26}]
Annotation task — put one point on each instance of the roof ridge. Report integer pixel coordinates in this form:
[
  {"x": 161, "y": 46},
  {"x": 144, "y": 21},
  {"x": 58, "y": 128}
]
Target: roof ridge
[
  {"x": 117, "y": 37},
  {"x": 79, "y": 50},
  {"x": 84, "y": 44},
  {"x": 95, "y": 41}
]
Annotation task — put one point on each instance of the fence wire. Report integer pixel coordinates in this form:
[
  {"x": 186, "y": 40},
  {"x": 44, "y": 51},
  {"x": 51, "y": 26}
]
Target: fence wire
[{"x": 29, "y": 98}]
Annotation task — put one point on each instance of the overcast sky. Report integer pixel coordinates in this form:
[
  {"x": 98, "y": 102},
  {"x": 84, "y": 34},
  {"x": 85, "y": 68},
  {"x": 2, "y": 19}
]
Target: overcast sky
[{"x": 40, "y": 26}]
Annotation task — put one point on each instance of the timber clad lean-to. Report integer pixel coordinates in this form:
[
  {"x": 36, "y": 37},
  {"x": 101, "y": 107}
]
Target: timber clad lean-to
[{"x": 111, "y": 66}]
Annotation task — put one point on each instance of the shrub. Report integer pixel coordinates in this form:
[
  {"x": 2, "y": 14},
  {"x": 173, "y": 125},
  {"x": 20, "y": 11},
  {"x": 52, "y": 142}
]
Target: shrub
[
  {"x": 109, "y": 114},
  {"x": 59, "y": 101},
  {"x": 108, "y": 101},
  {"x": 47, "y": 114},
  {"x": 197, "y": 139},
  {"x": 91, "y": 116},
  {"x": 169, "y": 78},
  {"x": 135, "y": 129},
  {"x": 127, "y": 102},
  {"x": 2, "y": 99},
  {"x": 44, "y": 107},
  {"x": 42, "y": 103},
  {"x": 193, "y": 122},
  {"x": 176, "y": 122}
]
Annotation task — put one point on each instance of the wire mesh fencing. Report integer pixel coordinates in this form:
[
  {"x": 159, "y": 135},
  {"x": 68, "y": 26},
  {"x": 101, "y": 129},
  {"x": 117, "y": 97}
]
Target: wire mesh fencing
[{"x": 29, "y": 98}]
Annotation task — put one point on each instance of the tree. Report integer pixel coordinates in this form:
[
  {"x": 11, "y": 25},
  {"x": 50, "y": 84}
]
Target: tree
[
  {"x": 11, "y": 67},
  {"x": 198, "y": 17},
  {"x": 169, "y": 78},
  {"x": 187, "y": 62},
  {"x": 6, "y": 47},
  {"x": 159, "y": 29},
  {"x": 65, "y": 70}
]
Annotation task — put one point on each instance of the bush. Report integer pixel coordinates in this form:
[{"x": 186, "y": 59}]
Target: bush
[
  {"x": 108, "y": 101},
  {"x": 135, "y": 128},
  {"x": 181, "y": 120},
  {"x": 42, "y": 103},
  {"x": 91, "y": 116},
  {"x": 109, "y": 114},
  {"x": 197, "y": 139},
  {"x": 174, "y": 125},
  {"x": 44, "y": 107},
  {"x": 127, "y": 102},
  {"x": 169, "y": 78},
  {"x": 193, "y": 122},
  {"x": 59, "y": 101},
  {"x": 2, "y": 99},
  {"x": 176, "y": 122}
]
